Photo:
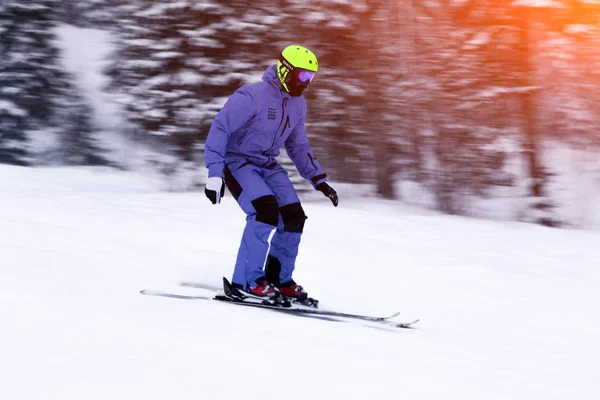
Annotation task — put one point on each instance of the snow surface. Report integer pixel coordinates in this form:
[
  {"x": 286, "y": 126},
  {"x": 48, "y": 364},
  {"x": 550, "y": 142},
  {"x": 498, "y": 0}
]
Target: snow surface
[{"x": 508, "y": 310}]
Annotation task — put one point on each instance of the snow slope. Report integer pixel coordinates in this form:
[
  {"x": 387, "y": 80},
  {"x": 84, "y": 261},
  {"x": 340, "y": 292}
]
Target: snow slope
[{"x": 508, "y": 310}]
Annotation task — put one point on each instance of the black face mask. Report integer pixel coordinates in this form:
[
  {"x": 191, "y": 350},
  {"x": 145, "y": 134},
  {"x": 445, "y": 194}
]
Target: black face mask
[
  {"x": 294, "y": 85},
  {"x": 296, "y": 88}
]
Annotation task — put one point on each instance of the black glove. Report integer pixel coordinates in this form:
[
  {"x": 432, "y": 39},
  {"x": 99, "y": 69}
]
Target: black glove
[
  {"x": 215, "y": 189},
  {"x": 328, "y": 191}
]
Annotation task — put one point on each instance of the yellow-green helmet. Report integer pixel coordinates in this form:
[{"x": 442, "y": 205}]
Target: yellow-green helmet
[{"x": 296, "y": 68}]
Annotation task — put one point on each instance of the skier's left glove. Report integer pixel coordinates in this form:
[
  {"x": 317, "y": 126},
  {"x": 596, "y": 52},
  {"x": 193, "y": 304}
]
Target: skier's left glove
[
  {"x": 329, "y": 192},
  {"x": 215, "y": 189}
]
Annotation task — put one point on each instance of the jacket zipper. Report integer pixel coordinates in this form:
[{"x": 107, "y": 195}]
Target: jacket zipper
[
  {"x": 312, "y": 160},
  {"x": 286, "y": 125},
  {"x": 283, "y": 103},
  {"x": 241, "y": 140}
]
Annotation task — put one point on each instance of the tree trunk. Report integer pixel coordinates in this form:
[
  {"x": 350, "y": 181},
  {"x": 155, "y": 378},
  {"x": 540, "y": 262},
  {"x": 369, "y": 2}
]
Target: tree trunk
[
  {"x": 373, "y": 20},
  {"x": 540, "y": 205}
]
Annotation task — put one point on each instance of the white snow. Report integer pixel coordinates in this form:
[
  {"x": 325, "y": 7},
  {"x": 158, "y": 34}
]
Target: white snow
[
  {"x": 579, "y": 28},
  {"x": 11, "y": 108},
  {"x": 496, "y": 91},
  {"x": 167, "y": 54},
  {"x": 508, "y": 310},
  {"x": 575, "y": 184},
  {"x": 478, "y": 39},
  {"x": 538, "y": 3},
  {"x": 160, "y": 9}
]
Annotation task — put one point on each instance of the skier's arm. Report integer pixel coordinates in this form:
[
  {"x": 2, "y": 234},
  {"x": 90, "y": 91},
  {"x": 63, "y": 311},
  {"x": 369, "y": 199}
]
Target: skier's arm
[
  {"x": 298, "y": 149},
  {"x": 238, "y": 110}
]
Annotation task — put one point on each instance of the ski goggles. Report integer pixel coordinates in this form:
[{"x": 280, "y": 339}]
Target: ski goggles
[{"x": 305, "y": 75}]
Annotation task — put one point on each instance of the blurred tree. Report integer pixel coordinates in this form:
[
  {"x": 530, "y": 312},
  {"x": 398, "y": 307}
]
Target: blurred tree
[
  {"x": 539, "y": 198},
  {"x": 36, "y": 95},
  {"x": 380, "y": 31},
  {"x": 89, "y": 13},
  {"x": 178, "y": 61},
  {"x": 337, "y": 97},
  {"x": 569, "y": 65},
  {"x": 77, "y": 144},
  {"x": 456, "y": 125},
  {"x": 571, "y": 120},
  {"x": 30, "y": 78},
  {"x": 438, "y": 92}
]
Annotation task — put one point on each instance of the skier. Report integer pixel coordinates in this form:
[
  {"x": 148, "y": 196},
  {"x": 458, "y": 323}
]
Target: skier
[{"x": 243, "y": 141}]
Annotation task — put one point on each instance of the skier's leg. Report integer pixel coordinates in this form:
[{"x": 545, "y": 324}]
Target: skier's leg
[
  {"x": 281, "y": 261},
  {"x": 262, "y": 216}
]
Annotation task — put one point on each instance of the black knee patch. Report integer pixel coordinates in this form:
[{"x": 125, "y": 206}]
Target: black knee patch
[
  {"x": 267, "y": 210},
  {"x": 232, "y": 184},
  {"x": 293, "y": 217}
]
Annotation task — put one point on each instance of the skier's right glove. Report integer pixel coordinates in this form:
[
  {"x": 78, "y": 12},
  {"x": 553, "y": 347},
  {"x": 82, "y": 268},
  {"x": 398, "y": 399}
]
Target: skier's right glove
[
  {"x": 328, "y": 191},
  {"x": 215, "y": 189}
]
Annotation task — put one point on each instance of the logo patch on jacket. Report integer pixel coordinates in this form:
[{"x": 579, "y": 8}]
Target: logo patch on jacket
[{"x": 272, "y": 113}]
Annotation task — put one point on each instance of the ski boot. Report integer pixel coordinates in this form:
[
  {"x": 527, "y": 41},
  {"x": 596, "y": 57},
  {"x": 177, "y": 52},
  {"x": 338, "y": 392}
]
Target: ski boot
[
  {"x": 262, "y": 292},
  {"x": 289, "y": 289},
  {"x": 295, "y": 293}
]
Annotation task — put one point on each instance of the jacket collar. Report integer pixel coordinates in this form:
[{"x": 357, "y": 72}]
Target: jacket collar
[{"x": 270, "y": 77}]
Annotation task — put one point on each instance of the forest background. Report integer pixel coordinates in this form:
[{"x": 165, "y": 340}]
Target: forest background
[{"x": 474, "y": 107}]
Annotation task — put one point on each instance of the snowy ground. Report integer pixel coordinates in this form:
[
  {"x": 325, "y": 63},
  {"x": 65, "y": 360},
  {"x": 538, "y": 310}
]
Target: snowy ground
[{"x": 508, "y": 310}]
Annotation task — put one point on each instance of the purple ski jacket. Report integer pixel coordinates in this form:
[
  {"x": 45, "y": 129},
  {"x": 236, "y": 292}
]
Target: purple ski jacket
[{"x": 253, "y": 125}]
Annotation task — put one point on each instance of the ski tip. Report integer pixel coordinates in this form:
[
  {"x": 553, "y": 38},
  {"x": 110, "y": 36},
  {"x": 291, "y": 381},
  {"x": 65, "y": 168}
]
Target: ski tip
[
  {"x": 393, "y": 315},
  {"x": 407, "y": 325}
]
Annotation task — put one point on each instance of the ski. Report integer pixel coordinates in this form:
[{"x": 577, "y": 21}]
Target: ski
[
  {"x": 292, "y": 310},
  {"x": 309, "y": 302},
  {"x": 174, "y": 295},
  {"x": 323, "y": 313}
]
